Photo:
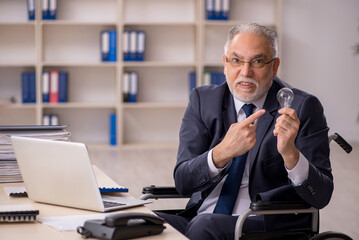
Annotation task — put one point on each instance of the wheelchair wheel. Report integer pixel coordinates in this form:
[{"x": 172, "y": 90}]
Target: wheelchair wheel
[{"x": 331, "y": 236}]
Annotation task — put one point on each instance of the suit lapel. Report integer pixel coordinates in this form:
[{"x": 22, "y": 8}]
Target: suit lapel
[
  {"x": 229, "y": 114},
  {"x": 229, "y": 117}
]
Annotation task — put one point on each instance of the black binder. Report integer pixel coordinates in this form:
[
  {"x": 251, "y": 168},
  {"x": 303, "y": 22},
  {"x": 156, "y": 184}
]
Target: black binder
[{"x": 18, "y": 216}]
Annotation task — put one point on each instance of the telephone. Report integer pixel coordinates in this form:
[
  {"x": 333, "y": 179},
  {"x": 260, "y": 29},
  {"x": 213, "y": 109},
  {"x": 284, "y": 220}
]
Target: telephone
[{"x": 122, "y": 225}]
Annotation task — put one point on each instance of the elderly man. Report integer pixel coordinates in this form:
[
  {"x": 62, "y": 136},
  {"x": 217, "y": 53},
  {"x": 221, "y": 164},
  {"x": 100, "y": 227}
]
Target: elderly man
[{"x": 237, "y": 145}]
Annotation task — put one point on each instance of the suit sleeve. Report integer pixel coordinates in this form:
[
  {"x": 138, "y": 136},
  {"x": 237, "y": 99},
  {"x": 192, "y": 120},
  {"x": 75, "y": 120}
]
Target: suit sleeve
[
  {"x": 191, "y": 171},
  {"x": 312, "y": 142}
]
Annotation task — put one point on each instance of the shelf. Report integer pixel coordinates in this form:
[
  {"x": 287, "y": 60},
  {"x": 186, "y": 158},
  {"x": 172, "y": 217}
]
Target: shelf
[
  {"x": 179, "y": 41},
  {"x": 18, "y": 23},
  {"x": 150, "y": 105},
  {"x": 70, "y": 105},
  {"x": 159, "y": 64},
  {"x": 30, "y": 106},
  {"x": 77, "y": 23},
  {"x": 17, "y": 64},
  {"x": 79, "y": 64},
  {"x": 159, "y": 24}
]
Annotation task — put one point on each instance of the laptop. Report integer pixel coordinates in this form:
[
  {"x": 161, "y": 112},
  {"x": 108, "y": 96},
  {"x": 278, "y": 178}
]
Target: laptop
[{"x": 60, "y": 173}]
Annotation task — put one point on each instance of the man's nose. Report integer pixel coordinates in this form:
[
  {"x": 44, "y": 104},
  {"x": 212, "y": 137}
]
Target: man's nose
[{"x": 246, "y": 69}]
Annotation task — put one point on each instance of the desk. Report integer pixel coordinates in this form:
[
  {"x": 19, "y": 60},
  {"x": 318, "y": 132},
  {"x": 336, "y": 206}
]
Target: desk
[{"x": 38, "y": 231}]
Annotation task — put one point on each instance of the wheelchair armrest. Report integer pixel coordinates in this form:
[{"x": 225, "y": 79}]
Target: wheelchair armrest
[
  {"x": 155, "y": 192},
  {"x": 262, "y": 206},
  {"x": 269, "y": 208}
]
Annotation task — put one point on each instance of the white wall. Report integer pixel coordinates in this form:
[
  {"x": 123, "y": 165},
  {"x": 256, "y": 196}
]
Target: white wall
[{"x": 317, "y": 56}]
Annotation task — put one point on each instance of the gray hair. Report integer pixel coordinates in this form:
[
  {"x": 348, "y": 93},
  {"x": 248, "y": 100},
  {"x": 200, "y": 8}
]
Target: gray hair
[{"x": 258, "y": 30}]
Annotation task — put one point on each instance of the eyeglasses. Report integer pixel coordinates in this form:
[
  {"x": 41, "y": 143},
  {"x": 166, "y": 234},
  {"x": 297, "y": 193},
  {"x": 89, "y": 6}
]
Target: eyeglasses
[{"x": 256, "y": 63}]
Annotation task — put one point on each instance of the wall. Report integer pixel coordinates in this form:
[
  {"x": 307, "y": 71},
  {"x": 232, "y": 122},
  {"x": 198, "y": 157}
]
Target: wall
[{"x": 318, "y": 57}]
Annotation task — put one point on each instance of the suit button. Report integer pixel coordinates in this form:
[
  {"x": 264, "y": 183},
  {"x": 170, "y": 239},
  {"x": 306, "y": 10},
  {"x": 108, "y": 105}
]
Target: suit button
[{"x": 311, "y": 189}]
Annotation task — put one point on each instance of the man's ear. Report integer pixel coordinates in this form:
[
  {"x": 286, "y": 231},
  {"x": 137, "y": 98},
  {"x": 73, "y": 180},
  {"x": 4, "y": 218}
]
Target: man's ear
[
  {"x": 276, "y": 66},
  {"x": 224, "y": 64}
]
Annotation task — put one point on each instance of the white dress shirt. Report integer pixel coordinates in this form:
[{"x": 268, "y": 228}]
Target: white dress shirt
[{"x": 297, "y": 175}]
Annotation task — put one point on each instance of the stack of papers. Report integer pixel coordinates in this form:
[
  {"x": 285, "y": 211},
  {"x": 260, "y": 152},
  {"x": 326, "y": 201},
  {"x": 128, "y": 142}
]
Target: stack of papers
[{"x": 9, "y": 170}]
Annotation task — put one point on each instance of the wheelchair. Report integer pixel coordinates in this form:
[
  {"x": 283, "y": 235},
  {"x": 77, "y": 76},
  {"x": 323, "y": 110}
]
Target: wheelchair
[{"x": 265, "y": 208}]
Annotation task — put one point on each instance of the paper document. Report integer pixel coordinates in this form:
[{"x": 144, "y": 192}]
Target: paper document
[{"x": 70, "y": 223}]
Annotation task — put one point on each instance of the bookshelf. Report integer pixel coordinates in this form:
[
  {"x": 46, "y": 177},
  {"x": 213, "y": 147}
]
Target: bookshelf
[{"x": 179, "y": 40}]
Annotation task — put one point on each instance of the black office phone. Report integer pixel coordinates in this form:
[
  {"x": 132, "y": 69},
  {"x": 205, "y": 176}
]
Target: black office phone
[{"x": 122, "y": 225}]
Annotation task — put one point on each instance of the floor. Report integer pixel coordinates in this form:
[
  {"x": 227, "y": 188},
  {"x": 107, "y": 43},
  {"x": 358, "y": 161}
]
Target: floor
[{"x": 135, "y": 169}]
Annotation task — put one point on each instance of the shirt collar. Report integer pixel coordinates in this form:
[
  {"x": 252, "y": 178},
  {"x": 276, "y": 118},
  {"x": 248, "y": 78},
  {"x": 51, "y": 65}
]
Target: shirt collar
[{"x": 259, "y": 103}]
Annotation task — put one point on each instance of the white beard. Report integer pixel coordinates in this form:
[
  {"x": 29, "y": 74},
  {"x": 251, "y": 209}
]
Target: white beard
[{"x": 258, "y": 93}]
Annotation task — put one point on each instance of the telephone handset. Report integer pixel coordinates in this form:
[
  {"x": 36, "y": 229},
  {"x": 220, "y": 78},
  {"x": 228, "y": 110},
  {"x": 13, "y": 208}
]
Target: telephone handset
[{"x": 122, "y": 225}]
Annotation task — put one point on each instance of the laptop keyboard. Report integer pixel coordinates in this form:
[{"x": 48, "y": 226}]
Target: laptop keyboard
[{"x": 108, "y": 204}]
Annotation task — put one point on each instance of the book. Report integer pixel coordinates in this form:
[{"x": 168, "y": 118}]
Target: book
[
  {"x": 50, "y": 120},
  {"x": 105, "y": 45},
  {"x": 35, "y": 129},
  {"x": 206, "y": 78},
  {"x": 210, "y": 9},
  {"x": 217, "y": 78},
  {"x": 112, "y": 189},
  {"x": 21, "y": 191},
  {"x": 113, "y": 129},
  {"x": 108, "y": 41},
  {"x": 45, "y": 9},
  {"x": 132, "y": 45},
  {"x": 9, "y": 169},
  {"x": 192, "y": 81},
  {"x": 126, "y": 45},
  {"x": 18, "y": 213},
  {"x": 63, "y": 86},
  {"x": 54, "y": 87},
  {"x": 213, "y": 78},
  {"x": 140, "y": 48},
  {"x": 31, "y": 9},
  {"x": 217, "y": 9},
  {"x": 25, "y": 87},
  {"x": 46, "y": 119},
  {"x": 112, "y": 55},
  {"x": 126, "y": 87},
  {"x": 132, "y": 97},
  {"x": 28, "y": 87},
  {"x": 225, "y": 10},
  {"x": 130, "y": 86},
  {"x": 32, "y": 87},
  {"x": 45, "y": 86},
  {"x": 54, "y": 120},
  {"x": 49, "y": 9},
  {"x": 52, "y": 9}
]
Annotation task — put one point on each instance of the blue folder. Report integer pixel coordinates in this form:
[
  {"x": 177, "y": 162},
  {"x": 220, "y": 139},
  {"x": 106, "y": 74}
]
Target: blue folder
[
  {"x": 31, "y": 9},
  {"x": 113, "y": 129},
  {"x": 63, "y": 86},
  {"x": 105, "y": 45},
  {"x": 112, "y": 56}
]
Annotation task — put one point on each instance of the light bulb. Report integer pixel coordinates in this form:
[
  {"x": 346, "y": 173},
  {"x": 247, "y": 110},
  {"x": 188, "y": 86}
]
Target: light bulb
[{"x": 285, "y": 97}]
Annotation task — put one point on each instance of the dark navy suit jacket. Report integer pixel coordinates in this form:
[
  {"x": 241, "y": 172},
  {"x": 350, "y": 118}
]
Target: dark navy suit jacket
[{"x": 210, "y": 113}]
